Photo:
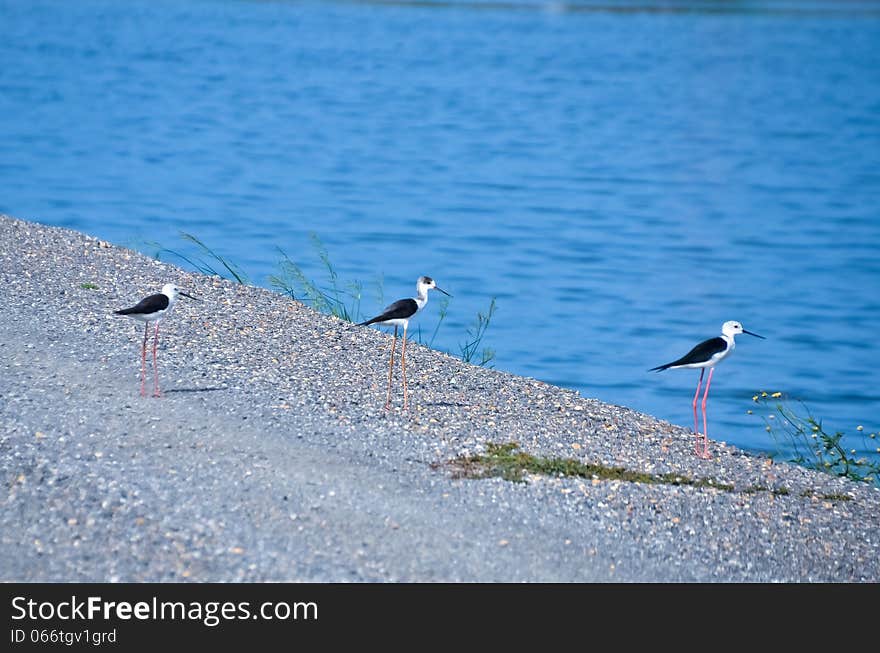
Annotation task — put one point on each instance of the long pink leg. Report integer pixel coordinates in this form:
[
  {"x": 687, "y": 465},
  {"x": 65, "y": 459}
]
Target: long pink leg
[
  {"x": 403, "y": 363},
  {"x": 391, "y": 369},
  {"x": 696, "y": 396},
  {"x": 144, "y": 361},
  {"x": 706, "y": 430},
  {"x": 156, "y": 392}
]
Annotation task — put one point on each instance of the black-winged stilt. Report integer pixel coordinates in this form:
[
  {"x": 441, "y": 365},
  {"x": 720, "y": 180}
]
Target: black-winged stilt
[
  {"x": 399, "y": 314},
  {"x": 707, "y": 354},
  {"x": 153, "y": 309}
]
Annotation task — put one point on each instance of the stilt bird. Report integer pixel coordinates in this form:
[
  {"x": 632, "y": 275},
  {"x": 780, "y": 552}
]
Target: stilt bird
[
  {"x": 149, "y": 310},
  {"x": 707, "y": 354},
  {"x": 399, "y": 314}
]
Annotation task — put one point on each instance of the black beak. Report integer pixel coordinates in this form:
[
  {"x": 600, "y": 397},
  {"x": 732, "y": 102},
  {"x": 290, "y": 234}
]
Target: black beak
[
  {"x": 183, "y": 294},
  {"x": 443, "y": 291},
  {"x": 754, "y": 334}
]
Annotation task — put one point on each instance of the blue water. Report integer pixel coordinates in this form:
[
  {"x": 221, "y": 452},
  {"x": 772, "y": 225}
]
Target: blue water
[{"x": 623, "y": 177}]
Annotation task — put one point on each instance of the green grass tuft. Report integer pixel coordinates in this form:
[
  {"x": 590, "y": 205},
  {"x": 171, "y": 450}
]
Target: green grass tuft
[
  {"x": 210, "y": 262},
  {"x": 341, "y": 300},
  {"x": 834, "y": 496},
  {"x": 798, "y": 431},
  {"x": 781, "y": 491},
  {"x": 830, "y": 496},
  {"x": 470, "y": 349},
  {"x": 507, "y": 461}
]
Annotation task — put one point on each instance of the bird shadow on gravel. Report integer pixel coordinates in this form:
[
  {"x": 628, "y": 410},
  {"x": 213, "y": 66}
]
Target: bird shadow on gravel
[{"x": 183, "y": 390}]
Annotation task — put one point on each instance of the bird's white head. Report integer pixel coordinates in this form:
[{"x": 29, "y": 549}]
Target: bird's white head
[
  {"x": 424, "y": 284},
  {"x": 732, "y": 328},
  {"x": 171, "y": 291}
]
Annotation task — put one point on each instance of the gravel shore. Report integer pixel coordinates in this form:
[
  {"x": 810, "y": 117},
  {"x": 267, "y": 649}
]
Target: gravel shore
[{"x": 270, "y": 457}]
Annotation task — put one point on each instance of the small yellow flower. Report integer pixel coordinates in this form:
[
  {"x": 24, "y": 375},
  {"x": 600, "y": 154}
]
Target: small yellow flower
[
  {"x": 748, "y": 412},
  {"x": 852, "y": 450},
  {"x": 767, "y": 428},
  {"x": 755, "y": 398},
  {"x": 860, "y": 428},
  {"x": 872, "y": 435},
  {"x": 776, "y": 395},
  {"x": 763, "y": 394},
  {"x": 815, "y": 428},
  {"x": 814, "y": 436}
]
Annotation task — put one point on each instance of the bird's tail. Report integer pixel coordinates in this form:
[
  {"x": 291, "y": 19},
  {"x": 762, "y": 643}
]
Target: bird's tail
[
  {"x": 124, "y": 311},
  {"x": 660, "y": 368},
  {"x": 367, "y": 323}
]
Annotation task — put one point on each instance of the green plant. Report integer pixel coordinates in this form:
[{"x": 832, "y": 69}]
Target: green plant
[
  {"x": 442, "y": 311},
  {"x": 471, "y": 347},
  {"x": 344, "y": 303},
  {"x": 798, "y": 431},
  {"x": 88, "y": 286},
  {"x": 205, "y": 263},
  {"x": 506, "y": 460}
]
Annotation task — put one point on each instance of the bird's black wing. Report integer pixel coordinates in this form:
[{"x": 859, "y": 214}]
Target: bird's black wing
[
  {"x": 702, "y": 352},
  {"x": 151, "y": 304},
  {"x": 399, "y": 310}
]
